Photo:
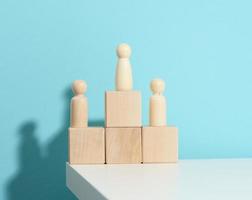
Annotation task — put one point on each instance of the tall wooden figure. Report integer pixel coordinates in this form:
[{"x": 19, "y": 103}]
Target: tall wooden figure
[
  {"x": 160, "y": 142},
  {"x": 124, "y": 80}
]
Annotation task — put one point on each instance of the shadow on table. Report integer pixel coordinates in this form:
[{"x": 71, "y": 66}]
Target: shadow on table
[{"x": 42, "y": 177}]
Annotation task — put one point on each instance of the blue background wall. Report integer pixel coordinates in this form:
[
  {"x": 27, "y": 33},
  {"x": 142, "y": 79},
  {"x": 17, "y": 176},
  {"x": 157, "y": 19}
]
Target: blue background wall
[{"x": 202, "y": 49}]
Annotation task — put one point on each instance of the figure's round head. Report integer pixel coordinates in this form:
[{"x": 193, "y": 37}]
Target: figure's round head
[
  {"x": 123, "y": 51},
  {"x": 79, "y": 87},
  {"x": 157, "y": 86}
]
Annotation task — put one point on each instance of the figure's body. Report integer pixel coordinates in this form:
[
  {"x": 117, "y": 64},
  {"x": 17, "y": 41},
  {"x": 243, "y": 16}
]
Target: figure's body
[
  {"x": 124, "y": 80},
  {"x": 79, "y": 105},
  {"x": 157, "y": 115}
]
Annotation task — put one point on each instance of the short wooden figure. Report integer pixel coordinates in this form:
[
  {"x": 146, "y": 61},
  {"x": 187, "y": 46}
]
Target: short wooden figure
[
  {"x": 159, "y": 142},
  {"x": 157, "y": 104},
  {"x": 79, "y": 105},
  {"x": 123, "y": 145},
  {"x": 86, "y": 145},
  {"x": 123, "y": 80},
  {"x": 123, "y": 109}
]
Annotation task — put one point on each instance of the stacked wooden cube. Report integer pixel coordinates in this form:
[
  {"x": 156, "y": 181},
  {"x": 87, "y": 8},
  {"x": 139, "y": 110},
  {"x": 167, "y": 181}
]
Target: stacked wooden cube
[
  {"x": 123, "y": 122},
  {"x": 123, "y": 140}
]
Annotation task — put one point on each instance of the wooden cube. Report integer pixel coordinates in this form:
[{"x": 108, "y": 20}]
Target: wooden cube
[
  {"x": 123, "y": 145},
  {"x": 86, "y": 145},
  {"x": 160, "y": 144},
  {"x": 123, "y": 109}
]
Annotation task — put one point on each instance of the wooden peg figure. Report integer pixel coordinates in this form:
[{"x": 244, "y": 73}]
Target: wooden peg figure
[
  {"x": 157, "y": 115},
  {"x": 124, "y": 80},
  {"x": 79, "y": 105}
]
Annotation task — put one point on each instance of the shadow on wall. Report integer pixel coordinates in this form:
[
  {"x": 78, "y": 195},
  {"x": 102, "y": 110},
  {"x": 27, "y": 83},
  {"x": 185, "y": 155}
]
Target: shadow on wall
[{"x": 42, "y": 177}]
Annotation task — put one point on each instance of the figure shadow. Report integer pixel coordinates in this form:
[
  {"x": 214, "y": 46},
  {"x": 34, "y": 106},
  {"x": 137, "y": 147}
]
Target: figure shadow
[{"x": 43, "y": 177}]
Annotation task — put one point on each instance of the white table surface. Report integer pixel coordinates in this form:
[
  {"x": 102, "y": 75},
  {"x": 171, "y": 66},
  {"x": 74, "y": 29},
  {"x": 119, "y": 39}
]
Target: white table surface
[{"x": 189, "y": 179}]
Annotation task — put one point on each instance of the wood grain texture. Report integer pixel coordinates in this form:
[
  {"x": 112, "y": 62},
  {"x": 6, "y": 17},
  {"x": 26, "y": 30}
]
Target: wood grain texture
[
  {"x": 160, "y": 144},
  {"x": 123, "y": 145},
  {"x": 123, "y": 109},
  {"x": 86, "y": 145}
]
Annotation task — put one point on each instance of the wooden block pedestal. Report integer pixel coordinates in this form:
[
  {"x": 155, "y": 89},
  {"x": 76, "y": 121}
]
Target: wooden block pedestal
[
  {"x": 123, "y": 109},
  {"x": 160, "y": 144},
  {"x": 123, "y": 145},
  {"x": 86, "y": 145}
]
